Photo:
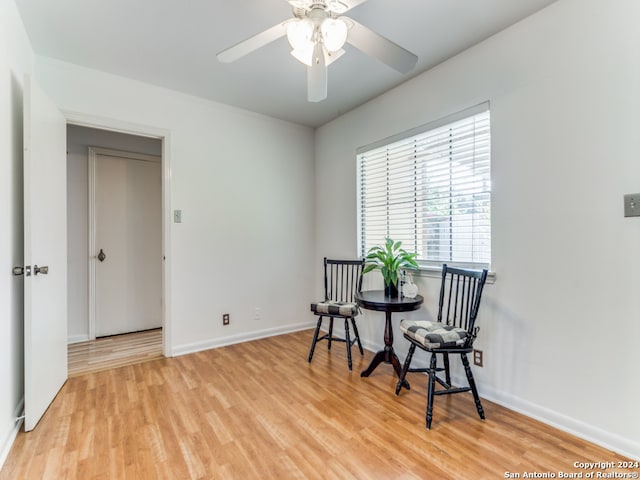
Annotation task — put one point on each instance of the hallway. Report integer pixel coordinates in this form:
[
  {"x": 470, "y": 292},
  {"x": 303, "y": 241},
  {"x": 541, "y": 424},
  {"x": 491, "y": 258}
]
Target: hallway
[{"x": 115, "y": 351}]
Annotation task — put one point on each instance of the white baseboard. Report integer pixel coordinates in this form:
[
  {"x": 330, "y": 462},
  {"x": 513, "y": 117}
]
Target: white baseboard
[
  {"x": 12, "y": 431},
  {"x": 243, "y": 337},
  {"x": 77, "y": 339},
  {"x": 611, "y": 441}
]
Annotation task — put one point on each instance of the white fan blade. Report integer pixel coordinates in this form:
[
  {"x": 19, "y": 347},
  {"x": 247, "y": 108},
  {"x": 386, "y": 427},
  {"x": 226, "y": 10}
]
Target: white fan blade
[
  {"x": 352, "y": 3},
  {"x": 253, "y": 43},
  {"x": 317, "y": 76},
  {"x": 383, "y": 49}
]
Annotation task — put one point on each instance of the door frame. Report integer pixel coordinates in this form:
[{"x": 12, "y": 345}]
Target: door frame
[
  {"x": 91, "y": 177},
  {"x": 164, "y": 135}
]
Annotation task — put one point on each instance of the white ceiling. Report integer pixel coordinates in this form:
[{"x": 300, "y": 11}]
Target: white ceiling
[{"x": 173, "y": 44}]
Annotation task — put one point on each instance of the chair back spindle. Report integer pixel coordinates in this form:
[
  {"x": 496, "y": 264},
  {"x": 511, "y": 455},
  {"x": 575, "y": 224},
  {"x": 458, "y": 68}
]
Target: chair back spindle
[
  {"x": 342, "y": 279},
  {"x": 460, "y": 294}
]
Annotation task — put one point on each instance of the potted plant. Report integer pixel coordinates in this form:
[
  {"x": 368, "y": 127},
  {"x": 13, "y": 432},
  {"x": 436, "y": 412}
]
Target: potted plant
[{"x": 390, "y": 259}]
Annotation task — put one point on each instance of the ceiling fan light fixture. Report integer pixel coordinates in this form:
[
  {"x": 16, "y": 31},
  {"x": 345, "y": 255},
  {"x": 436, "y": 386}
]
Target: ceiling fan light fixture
[
  {"x": 303, "y": 55},
  {"x": 317, "y": 32},
  {"x": 334, "y": 33},
  {"x": 300, "y": 34},
  {"x": 330, "y": 57}
]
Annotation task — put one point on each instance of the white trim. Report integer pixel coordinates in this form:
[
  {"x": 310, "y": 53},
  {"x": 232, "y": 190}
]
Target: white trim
[
  {"x": 7, "y": 443},
  {"x": 91, "y": 197},
  {"x": 436, "y": 272},
  {"x": 611, "y": 441},
  {"x": 77, "y": 339},
  {"x": 93, "y": 151},
  {"x": 240, "y": 338},
  {"x": 92, "y": 121},
  {"x": 167, "y": 324}
]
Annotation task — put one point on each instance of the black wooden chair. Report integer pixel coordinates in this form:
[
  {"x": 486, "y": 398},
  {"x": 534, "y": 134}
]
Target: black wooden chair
[
  {"x": 342, "y": 279},
  {"x": 453, "y": 333}
]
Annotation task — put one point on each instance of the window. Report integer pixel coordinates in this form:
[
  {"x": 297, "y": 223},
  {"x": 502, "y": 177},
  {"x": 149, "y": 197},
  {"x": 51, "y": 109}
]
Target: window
[{"x": 431, "y": 189}]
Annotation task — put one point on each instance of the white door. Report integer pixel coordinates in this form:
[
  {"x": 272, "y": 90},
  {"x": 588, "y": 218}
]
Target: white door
[
  {"x": 45, "y": 252},
  {"x": 127, "y": 222}
]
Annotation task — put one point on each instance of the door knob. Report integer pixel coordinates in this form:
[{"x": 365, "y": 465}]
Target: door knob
[
  {"x": 101, "y": 256},
  {"x": 43, "y": 270},
  {"x": 26, "y": 271}
]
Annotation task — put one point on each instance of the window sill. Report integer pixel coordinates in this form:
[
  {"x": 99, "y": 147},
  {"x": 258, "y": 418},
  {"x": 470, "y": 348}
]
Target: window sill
[{"x": 436, "y": 272}]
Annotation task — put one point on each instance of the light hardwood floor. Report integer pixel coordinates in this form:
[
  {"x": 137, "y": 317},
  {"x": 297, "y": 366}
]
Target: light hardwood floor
[
  {"x": 258, "y": 410},
  {"x": 116, "y": 351}
]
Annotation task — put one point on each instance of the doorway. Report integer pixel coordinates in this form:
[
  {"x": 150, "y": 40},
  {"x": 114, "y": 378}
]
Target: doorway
[{"x": 88, "y": 300}]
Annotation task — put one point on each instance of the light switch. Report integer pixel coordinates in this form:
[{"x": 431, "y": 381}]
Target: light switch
[
  {"x": 632, "y": 205},
  {"x": 177, "y": 216}
]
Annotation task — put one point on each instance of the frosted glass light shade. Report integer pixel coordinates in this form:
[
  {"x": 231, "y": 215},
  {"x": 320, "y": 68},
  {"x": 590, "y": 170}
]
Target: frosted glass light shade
[
  {"x": 304, "y": 54},
  {"x": 300, "y": 34},
  {"x": 334, "y": 33}
]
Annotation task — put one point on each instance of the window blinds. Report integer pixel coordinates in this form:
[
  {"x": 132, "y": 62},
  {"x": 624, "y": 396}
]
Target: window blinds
[{"x": 431, "y": 189}]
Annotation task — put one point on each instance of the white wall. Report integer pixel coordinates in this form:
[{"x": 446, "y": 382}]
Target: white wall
[
  {"x": 563, "y": 87},
  {"x": 15, "y": 60},
  {"x": 244, "y": 183},
  {"x": 560, "y": 326},
  {"x": 79, "y": 139}
]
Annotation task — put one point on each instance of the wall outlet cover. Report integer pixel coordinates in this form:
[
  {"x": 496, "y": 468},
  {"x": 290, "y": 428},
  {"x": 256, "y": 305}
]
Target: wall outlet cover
[{"x": 632, "y": 205}]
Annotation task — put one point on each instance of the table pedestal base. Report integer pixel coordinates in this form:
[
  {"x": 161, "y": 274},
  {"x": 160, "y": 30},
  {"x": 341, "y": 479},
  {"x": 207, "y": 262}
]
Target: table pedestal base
[{"x": 387, "y": 355}]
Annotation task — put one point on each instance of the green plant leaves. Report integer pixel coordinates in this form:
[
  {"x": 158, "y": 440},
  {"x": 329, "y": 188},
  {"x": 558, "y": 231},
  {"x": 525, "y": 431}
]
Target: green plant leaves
[{"x": 389, "y": 260}]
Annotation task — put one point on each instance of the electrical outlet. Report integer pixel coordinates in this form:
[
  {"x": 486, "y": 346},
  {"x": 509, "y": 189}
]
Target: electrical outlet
[
  {"x": 632, "y": 205},
  {"x": 256, "y": 314},
  {"x": 225, "y": 319},
  {"x": 477, "y": 357}
]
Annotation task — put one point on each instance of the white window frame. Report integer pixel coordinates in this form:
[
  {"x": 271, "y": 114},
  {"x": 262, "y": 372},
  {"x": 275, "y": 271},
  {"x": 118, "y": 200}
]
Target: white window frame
[{"x": 478, "y": 254}]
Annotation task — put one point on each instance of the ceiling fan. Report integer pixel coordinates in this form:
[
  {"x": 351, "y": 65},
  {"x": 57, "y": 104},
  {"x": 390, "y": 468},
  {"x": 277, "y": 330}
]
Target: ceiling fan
[{"x": 317, "y": 34}]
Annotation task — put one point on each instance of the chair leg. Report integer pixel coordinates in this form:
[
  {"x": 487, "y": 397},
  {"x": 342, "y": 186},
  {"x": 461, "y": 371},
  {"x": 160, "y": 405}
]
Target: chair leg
[
  {"x": 355, "y": 330},
  {"x": 315, "y": 338},
  {"x": 447, "y": 372},
  {"x": 472, "y": 384},
  {"x": 330, "y": 337},
  {"x": 405, "y": 367},
  {"x": 432, "y": 386},
  {"x": 347, "y": 340}
]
